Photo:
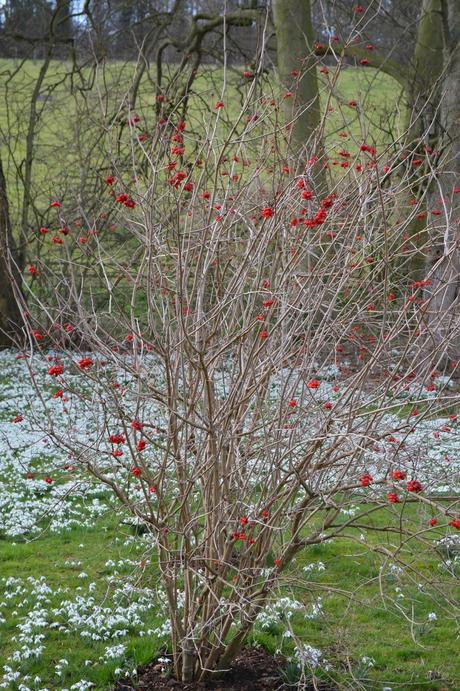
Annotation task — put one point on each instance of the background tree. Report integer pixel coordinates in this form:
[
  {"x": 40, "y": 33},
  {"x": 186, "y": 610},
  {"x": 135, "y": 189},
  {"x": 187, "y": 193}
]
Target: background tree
[
  {"x": 297, "y": 64},
  {"x": 443, "y": 265},
  {"x": 10, "y": 315}
]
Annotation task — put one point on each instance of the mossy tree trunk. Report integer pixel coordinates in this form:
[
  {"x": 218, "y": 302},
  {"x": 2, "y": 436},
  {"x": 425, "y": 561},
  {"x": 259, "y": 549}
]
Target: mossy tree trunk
[
  {"x": 297, "y": 71},
  {"x": 10, "y": 315},
  {"x": 424, "y": 95},
  {"x": 443, "y": 312},
  {"x": 426, "y": 73}
]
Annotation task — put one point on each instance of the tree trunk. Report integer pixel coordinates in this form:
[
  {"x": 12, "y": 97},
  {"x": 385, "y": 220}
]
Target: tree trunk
[
  {"x": 427, "y": 68},
  {"x": 443, "y": 310},
  {"x": 424, "y": 95},
  {"x": 297, "y": 72},
  {"x": 10, "y": 315}
]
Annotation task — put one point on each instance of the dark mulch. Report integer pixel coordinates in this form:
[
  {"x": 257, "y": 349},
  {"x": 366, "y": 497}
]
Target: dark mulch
[{"x": 253, "y": 670}]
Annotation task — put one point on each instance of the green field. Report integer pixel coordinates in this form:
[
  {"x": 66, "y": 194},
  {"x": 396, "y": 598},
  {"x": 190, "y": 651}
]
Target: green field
[
  {"x": 373, "y": 626},
  {"x": 75, "y": 119}
]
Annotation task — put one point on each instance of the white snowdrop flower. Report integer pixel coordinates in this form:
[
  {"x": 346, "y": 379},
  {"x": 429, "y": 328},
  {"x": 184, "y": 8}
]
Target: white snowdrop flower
[
  {"x": 82, "y": 575},
  {"x": 368, "y": 661},
  {"x": 316, "y": 609},
  {"x": 114, "y": 651},
  {"x": 308, "y": 655},
  {"x": 432, "y": 616},
  {"x": 350, "y": 511},
  {"x": 395, "y": 569},
  {"x": 314, "y": 566}
]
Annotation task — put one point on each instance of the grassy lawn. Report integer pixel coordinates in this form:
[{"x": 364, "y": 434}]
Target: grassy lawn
[
  {"x": 373, "y": 623},
  {"x": 86, "y": 568},
  {"x": 71, "y": 124}
]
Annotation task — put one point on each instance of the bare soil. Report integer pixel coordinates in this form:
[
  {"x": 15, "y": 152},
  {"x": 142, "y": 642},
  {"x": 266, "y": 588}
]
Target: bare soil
[{"x": 253, "y": 670}]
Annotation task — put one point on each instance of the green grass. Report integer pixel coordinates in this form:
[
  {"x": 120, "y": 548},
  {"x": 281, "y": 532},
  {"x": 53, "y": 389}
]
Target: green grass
[
  {"x": 364, "y": 616},
  {"x": 61, "y": 558},
  {"x": 361, "y": 615},
  {"x": 71, "y": 123}
]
